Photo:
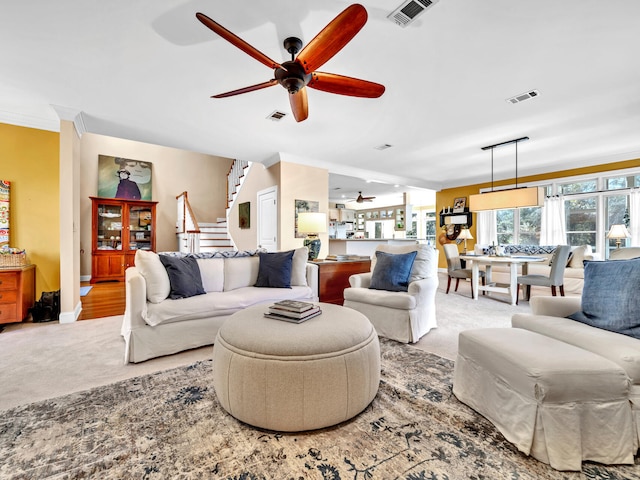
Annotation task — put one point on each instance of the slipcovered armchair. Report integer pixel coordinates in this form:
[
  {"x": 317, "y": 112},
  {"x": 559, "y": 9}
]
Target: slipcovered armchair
[{"x": 404, "y": 316}]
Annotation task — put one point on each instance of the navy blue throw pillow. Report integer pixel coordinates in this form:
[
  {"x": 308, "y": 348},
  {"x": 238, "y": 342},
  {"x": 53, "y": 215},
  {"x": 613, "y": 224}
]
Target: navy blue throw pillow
[
  {"x": 610, "y": 297},
  {"x": 184, "y": 276},
  {"x": 392, "y": 271},
  {"x": 275, "y": 269}
]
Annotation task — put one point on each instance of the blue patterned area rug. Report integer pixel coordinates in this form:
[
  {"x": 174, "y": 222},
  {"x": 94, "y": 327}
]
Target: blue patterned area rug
[{"x": 170, "y": 425}]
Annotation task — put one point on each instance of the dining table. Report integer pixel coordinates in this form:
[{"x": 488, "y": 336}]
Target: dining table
[{"x": 514, "y": 261}]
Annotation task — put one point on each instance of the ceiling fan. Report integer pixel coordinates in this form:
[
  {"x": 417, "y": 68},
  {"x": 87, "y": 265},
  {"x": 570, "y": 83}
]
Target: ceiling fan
[
  {"x": 300, "y": 72},
  {"x": 362, "y": 199}
]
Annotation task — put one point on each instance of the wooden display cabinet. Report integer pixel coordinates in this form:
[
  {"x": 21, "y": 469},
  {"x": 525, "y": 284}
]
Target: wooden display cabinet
[
  {"x": 120, "y": 228},
  {"x": 333, "y": 277}
]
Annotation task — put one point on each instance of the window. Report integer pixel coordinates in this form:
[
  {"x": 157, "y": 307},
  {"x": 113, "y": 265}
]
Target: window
[
  {"x": 581, "y": 217},
  {"x": 617, "y": 213},
  {"x": 519, "y": 226},
  {"x": 579, "y": 187},
  {"x": 615, "y": 183}
]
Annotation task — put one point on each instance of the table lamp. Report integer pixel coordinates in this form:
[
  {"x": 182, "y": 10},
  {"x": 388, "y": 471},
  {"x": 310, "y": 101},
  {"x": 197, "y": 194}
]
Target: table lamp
[
  {"x": 312, "y": 223},
  {"x": 465, "y": 235},
  {"x": 618, "y": 232}
]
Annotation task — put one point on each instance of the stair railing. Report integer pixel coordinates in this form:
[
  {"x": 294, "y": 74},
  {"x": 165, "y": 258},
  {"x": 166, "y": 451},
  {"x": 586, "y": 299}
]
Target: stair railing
[
  {"x": 187, "y": 226},
  {"x": 236, "y": 171}
]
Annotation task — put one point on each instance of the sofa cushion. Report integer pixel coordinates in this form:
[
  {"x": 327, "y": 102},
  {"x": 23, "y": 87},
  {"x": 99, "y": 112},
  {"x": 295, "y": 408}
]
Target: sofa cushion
[
  {"x": 240, "y": 272},
  {"x": 212, "y": 273},
  {"x": 299, "y": 266},
  {"x": 275, "y": 270},
  {"x": 155, "y": 275},
  {"x": 215, "y": 304},
  {"x": 381, "y": 298},
  {"x": 184, "y": 276},
  {"x": 610, "y": 297},
  {"x": 425, "y": 264},
  {"x": 578, "y": 254},
  {"x": 392, "y": 271},
  {"x": 621, "y": 349}
]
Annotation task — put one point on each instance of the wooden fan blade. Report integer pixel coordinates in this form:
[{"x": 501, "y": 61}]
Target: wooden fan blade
[
  {"x": 299, "y": 104},
  {"x": 333, "y": 37},
  {"x": 237, "y": 41},
  {"x": 259, "y": 86},
  {"x": 354, "y": 87}
]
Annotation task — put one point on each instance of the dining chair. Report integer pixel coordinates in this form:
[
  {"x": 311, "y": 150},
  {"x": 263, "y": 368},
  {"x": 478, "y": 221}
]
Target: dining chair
[
  {"x": 555, "y": 278},
  {"x": 454, "y": 267}
]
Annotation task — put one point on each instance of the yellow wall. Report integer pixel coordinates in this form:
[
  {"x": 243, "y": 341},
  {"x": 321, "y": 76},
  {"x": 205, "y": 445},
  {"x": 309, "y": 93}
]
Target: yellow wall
[
  {"x": 29, "y": 159},
  {"x": 444, "y": 198}
]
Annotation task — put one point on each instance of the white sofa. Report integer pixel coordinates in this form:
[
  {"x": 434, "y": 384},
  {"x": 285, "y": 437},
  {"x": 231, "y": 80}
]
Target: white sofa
[
  {"x": 155, "y": 325},
  {"x": 573, "y": 273}
]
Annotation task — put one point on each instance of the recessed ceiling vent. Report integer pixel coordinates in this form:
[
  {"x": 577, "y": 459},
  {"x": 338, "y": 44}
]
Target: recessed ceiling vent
[
  {"x": 523, "y": 96},
  {"x": 409, "y": 11},
  {"x": 384, "y": 146},
  {"x": 276, "y": 116}
]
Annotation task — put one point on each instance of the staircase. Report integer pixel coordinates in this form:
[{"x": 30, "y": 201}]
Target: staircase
[{"x": 196, "y": 237}]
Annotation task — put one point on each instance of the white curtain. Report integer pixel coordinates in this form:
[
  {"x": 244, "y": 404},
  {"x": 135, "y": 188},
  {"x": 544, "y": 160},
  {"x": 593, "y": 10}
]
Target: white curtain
[
  {"x": 486, "y": 230},
  {"x": 552, "y": 229},
  {"x": 634, "y": 216}
]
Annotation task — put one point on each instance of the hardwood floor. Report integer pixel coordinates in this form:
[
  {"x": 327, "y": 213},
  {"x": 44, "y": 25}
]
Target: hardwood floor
[{"x": 103, "y": 300}]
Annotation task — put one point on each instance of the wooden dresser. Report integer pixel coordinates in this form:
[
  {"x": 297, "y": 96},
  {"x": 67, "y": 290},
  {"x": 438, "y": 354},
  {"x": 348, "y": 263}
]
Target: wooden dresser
[
  {"x": 334, "y": 277},
  {"x": 17, "y": 293}
]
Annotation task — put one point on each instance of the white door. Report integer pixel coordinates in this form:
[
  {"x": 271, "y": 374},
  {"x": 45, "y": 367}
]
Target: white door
[{"x": 268, "y": 219}]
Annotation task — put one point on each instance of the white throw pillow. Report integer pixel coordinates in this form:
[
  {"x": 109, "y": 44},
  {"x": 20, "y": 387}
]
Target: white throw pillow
[
  {"x": 212, "y": 274},
  {"x": 155, "y": 275},
  {"x": 299, "y": 267},
  {"x": 578, "y": 256},
  {"x": 424, "y": 266},
  {"x": 240, "y": 272}
]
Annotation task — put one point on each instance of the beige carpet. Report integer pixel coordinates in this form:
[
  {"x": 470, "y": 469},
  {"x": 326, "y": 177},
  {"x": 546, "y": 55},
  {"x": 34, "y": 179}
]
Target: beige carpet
[
  {"x": 169, "y": 425},
  {"x": 46, "y": 360}
]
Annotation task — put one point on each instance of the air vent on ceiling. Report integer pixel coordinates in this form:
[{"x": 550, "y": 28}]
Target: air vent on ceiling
[
  {"x": 384, "y": 146},
  {"x": 409, "y": 10},
  {"x": 523, "y": 96},
  {"x": 276, "y": 116}
]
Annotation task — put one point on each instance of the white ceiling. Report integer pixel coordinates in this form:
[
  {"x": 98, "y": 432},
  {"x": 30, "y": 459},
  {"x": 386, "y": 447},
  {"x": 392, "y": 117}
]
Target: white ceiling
[{"x": 144, "y": 70}]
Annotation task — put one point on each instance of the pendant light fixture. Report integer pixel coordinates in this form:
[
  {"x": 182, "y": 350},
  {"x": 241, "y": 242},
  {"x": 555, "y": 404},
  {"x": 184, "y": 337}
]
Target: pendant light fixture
[{"x": 508, "y": 198}]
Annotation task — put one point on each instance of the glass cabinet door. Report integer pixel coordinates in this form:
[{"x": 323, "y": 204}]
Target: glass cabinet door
[
  {"x": 140, "y": 226},
  {"x": 109, "y": 226}
]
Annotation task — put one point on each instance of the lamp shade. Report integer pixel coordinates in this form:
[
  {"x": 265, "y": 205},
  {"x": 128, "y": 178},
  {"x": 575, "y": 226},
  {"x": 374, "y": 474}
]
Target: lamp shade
[
  {"x": 618, "y": 231},
  {"x": 312, "y": 222},
  {"x": 512, "y": 198},
  {"x": 465, "y": 234}
]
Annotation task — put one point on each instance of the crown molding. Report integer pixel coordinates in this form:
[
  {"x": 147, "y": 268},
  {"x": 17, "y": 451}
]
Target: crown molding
[{"x": 30, "y": 121}]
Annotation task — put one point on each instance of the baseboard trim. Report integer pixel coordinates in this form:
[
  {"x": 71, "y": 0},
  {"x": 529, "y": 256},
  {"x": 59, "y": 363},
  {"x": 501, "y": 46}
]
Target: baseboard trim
[{"x": 71, "y": 317}]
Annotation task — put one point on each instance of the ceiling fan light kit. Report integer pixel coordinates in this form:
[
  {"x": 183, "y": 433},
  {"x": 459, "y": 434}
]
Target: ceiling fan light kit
[
  {"x": 508, "y": 198},
  {"x": 300, "y": 72}
]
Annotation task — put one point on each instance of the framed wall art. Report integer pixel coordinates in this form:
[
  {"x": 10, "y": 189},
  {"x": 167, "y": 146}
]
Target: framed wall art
[
  {"x": 123, "y": 178},
  {"x": 244, "y": 215},
  {"x": 459, "y": 204},
  {"x": 5, "y": 186}
]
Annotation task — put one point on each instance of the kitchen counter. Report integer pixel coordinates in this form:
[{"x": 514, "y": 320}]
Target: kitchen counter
[{"x": 363, "y": 246}]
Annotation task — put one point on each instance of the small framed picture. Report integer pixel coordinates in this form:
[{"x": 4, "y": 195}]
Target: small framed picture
[
  {"x": 459, "y": 204},
  {"x": 339, "y": 205}
]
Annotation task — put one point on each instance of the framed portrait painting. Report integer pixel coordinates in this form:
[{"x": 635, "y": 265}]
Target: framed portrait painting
[{"x": 124, "y": 178}]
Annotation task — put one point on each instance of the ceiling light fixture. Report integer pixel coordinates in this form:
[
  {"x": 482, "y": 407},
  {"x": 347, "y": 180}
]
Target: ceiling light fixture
[{"x": 509, "y": 198}]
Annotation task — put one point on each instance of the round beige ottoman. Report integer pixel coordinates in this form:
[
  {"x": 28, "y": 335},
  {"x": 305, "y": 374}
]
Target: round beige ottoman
[{"x": 293, "y": 377}]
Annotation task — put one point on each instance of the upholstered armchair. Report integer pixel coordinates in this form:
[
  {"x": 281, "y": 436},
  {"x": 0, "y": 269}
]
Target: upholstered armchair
[{"x": 404, "y": 316}]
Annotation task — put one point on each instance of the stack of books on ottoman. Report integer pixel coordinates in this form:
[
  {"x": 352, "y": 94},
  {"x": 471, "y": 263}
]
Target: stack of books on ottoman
[{"x": 293, "y": 311}]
